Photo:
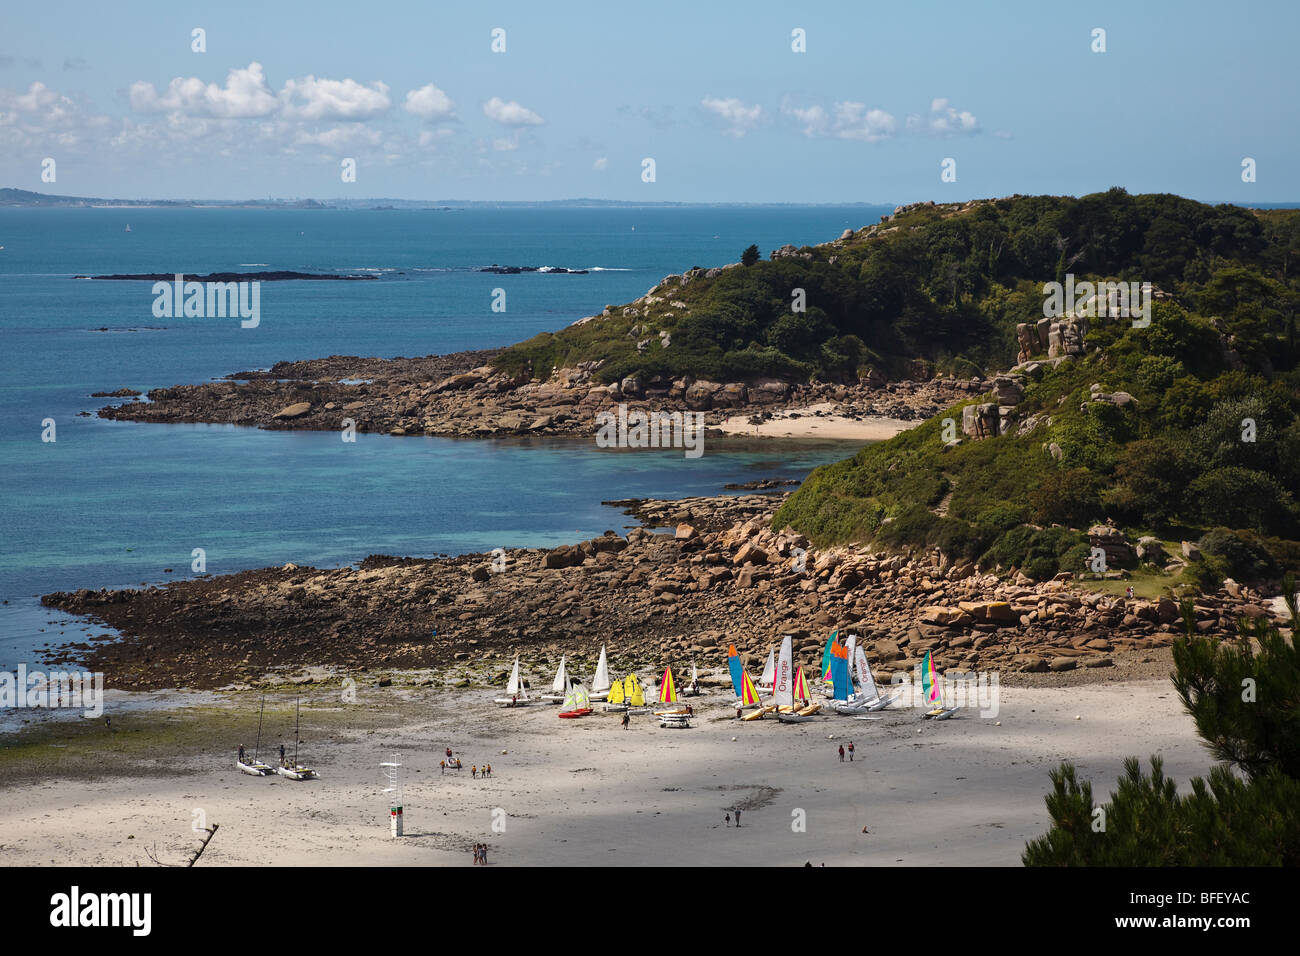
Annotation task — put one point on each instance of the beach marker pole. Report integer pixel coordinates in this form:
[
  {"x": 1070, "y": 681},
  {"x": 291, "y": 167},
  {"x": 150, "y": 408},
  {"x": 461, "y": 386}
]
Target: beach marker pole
[{"x": 393, "y": 774}]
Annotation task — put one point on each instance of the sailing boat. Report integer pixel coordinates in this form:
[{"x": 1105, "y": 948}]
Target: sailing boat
[
  {"x": 868, "y": 693},
  {"x": 693, "y": 688},
  {"x": 616, "y": 701},
  {"x": 769, "y": 672},
  {"x": 577, "y": 703},
  {"x": 600, "y": 683},
  {"x": 559, "y": 686},
  {"x": 255, "y": 767},
  {"x": 297, "y": 771},
  {"x": 801, "y": 708},
  {"x": 932, "y": 692},
  {"x": 128, "y": 227},
  {"x": 668, "y": 695},
  {"x": 517, "y": 693}
]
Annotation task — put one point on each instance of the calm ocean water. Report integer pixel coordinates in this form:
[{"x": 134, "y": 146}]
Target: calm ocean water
[{"x": 114, "y": 504}]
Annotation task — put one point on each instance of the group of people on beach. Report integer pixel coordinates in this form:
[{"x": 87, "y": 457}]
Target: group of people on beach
[
  {"x": 480, "y": 853},
  {"x": 850, "y": 752},
  {"x": 453, "y": 763}
]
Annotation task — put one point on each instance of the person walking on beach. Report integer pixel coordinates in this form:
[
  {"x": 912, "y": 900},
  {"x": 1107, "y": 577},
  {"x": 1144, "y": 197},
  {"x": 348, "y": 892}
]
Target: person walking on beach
[
  {"x": 841, "y": 753},
  {"x": 241, "y": 753},
  {"x": 850, "y": 751},
  {"x": 737, "y": 816},
  {"x": 482, "y": 853},
  {"x": 489, "y": 770},
  {"x": 727, "y": 819},
  {"x": 442, "y": 767},
  {"x": 626, "y": 720},
  {"x": 473, "y": 770},
  {"x": 282, "y": 763}
]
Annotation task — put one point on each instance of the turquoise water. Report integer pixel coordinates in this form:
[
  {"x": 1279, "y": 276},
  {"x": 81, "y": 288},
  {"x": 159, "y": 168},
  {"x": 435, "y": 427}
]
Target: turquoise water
[{"x": 114, "y": 504}]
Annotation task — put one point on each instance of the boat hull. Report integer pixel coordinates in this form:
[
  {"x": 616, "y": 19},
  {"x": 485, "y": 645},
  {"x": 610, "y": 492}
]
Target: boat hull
[
  {"x": 794, "y": 718},
  {"x": 296, "y": 773},
  {"x": 572, "y": 714},
  {"x": 253, "y": 769}
]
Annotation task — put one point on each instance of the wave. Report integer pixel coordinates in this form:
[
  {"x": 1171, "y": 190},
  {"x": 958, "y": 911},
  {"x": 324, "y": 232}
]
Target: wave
[{"x": 262, "y": 264}]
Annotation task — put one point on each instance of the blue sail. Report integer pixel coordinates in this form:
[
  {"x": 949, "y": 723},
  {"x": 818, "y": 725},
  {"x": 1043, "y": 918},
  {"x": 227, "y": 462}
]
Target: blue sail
[
  {"x": 737, "y": 673},
  {"x": 841, "y": 685}
]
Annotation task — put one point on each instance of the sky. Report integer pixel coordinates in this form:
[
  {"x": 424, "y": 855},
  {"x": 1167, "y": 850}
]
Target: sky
[{"x": 577, "y": 96}]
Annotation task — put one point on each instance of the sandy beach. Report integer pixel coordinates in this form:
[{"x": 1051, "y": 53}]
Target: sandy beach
[
  {"x": 967, "y": 791},
  {"x": 816, "y": 421}
]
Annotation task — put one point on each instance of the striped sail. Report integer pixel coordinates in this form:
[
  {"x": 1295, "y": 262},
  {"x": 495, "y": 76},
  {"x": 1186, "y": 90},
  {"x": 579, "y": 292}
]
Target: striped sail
[
  {"x": 668, "y": 688},
  {"x": 748, "y": 692},
  {"x": 801, "y": 686},
  {"x": 930, "y": 682}
]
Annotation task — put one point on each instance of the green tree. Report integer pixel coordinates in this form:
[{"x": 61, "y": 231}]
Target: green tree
[
  {"x": 749, "y": 256},
  {"x": 1243, "y": 702}
]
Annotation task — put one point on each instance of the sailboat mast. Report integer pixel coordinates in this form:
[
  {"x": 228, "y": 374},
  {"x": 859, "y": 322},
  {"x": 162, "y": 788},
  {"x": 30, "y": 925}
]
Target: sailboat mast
[
  {"x": 297, "y": 707},
  {"x": 257, "y": 746}
]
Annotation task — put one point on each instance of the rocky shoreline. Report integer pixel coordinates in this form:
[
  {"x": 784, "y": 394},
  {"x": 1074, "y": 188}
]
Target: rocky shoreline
[
  {"x": 462, "y": 395},
  {"x": 722, "y": 576}
]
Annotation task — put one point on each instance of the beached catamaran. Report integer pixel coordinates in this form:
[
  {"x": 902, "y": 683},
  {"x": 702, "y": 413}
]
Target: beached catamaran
[
  {"x": 296, "y": 771},
  {"x": 625, "y": 694},
  {"x": 559, "y": 687},
  {"x": 254, "y": 767},
  {"x": 847, "y": 698},
  {"x": 600, "y": 684},
  {"x": 932, "y": 692},
  {"x": 668, "y": 696},
  {"x": 576, "y": 704},
  {"x": 516, "y": 692}
]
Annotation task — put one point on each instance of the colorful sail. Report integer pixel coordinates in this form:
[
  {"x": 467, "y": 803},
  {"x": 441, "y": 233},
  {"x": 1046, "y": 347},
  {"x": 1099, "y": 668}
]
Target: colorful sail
[
  {"x": 826, "y": 657},
  {"x": 842, "y": 687},
  {"x": 748, "y": 692},
  {"x": 737, "y": 671},
  {"x": 668, "y": 688},
  {"x": 801, "y": 686},
  {"x": 930, "y": 682}
]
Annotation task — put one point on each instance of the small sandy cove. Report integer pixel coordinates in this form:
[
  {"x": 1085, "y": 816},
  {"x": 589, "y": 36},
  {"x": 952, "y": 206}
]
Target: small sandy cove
[
  {"x": 584, "y": 792},
  {"x": 809, "y": 424}
]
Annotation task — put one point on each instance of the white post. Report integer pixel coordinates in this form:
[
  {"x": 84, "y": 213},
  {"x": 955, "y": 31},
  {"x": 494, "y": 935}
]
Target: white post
[{"x": 393, "y": 774}]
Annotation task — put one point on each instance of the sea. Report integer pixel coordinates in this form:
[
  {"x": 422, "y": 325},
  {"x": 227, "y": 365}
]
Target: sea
[{"x": 119, "y": 504}]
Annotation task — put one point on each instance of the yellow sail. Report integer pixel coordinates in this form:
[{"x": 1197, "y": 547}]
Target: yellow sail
[
  {"x": 635, "y": 692},
  {"x": 616, "y": 695}
]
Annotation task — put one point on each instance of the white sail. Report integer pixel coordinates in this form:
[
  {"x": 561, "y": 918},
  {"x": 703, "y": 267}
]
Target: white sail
[
  {"x": 866, "y": 683},
  {"x": 783, "y": 683},
  {"x": 560, "y": 684},
  {"x": 769, "y": 672},
  {"x": 600, "y": 683},
  {"x": 512, "y": 686}
]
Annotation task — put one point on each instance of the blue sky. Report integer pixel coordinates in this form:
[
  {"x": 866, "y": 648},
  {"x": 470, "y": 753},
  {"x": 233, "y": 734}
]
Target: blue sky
[{"x": 711, "y": 91}]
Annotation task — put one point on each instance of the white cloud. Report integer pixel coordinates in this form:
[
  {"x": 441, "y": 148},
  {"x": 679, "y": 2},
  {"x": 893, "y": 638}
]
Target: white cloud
[
  {"x": 430, "y": 103},
  {"x": 430, "y": 136},
  {"x": 244, "y": 95},
  {"x": 856, "y": 121},
  {"x": 319, "y": 99},
  {"x": 510, "y": 114},
  {"x": 943, "y": 120},
  {"x": 600, "y": 165},
  {"x": 737, "y": 117}
]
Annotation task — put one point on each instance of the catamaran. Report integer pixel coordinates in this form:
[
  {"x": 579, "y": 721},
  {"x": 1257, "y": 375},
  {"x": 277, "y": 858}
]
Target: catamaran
[
  {"x": 254, "y": 767},
  {"x": 295, "y": 771},
  {"x": 559, "y": 686},
  {"x": 668, "y": 696},
  {"x": 516, "y": 691},
  {"x": 932, "y": 692},
  {"x": 600, "y": 684},
  {"x": 576, "y": 704},
  {"x": 865, "y": 697}
]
